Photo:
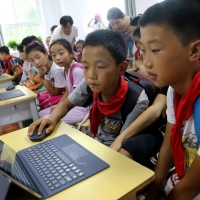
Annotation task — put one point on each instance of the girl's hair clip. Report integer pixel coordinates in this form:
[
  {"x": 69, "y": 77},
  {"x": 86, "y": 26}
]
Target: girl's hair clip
[{"x": 36, "y": 42}]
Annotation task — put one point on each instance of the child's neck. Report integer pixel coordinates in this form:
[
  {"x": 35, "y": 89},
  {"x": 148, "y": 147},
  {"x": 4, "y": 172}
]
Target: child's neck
[
  {"x": 69, "y": 65},
  {"x": 107, "y": 96},
  {"x": 183, "y": 86}
]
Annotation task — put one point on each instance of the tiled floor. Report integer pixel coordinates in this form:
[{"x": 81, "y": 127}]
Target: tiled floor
[{"x": 8, "y": 128}]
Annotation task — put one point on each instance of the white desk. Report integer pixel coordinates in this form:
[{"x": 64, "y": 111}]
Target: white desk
[
  {"x": 121, "y": 180},
  {"x": 18, "y": 109},
  {"x": 5, "y": 80}
]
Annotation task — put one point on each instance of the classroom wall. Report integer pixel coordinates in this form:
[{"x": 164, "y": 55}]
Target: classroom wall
[
  {"x": 82, "y": 11},
  {"x": 142, "y": 5}
]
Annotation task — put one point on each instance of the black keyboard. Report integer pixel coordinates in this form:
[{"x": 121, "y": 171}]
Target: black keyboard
[
  {"x": 11, "y": 94},
  {"x": 55, "y": 170},
  {"x": 3, "y": 76}
]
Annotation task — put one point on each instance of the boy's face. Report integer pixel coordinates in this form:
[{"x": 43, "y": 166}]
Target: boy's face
[
  {"x": 23, "y": 55},
  {"x": 100, "y": 70},
  {"x": 164, "y": 56},
  {"x": 3, "y": 56}
]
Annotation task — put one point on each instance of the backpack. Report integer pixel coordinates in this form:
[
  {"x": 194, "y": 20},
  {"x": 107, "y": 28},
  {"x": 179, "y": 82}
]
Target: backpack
[
  {"x": 136, "y": 83},
  {"x": 71, "y": 69},
  {"x": 197, "y": 118}
]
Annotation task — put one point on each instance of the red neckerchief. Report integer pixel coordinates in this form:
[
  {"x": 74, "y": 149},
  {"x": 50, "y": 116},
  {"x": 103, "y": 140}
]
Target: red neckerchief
[
  {"x": 7, "y": 67},
  {"x": 100, "y": 109},
  {"x": 183, "y": 109}
]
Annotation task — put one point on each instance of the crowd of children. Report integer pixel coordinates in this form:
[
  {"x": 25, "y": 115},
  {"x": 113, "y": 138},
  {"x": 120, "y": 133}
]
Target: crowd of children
[{"x": 163, "y": 44}]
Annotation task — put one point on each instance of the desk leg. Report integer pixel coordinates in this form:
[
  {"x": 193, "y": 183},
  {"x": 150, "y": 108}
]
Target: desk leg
[
  {"x": 20, "y": 125},
  {"x": 34, "y": 110}
]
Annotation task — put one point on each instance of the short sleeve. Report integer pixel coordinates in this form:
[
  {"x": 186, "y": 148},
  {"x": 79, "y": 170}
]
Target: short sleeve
[
  {"x": 78, "y": 76},
  {"x": 170, "y": 106},
  {"x": 79, "y": 95}
]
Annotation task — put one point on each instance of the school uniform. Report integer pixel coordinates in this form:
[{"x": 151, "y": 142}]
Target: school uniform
[
  {"x": 55, "y": 74},
  {"x": 77, "y": 113},
  {"x": 189, "y": 141}
]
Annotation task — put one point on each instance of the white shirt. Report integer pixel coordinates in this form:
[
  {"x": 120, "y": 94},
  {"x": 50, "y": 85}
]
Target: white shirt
[
  {"x": 189, "y": 140},
  {"x": 56, "y": 75},
  {"x": 59, "y": 34}
]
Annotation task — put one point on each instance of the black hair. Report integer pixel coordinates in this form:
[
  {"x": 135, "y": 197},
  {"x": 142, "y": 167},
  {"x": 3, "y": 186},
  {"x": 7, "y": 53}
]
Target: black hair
[
  {"x": 5, "y": 49},
  {"x": 111, "y": 40},
  {"x": 20, "y": 48},
  {"x": 64, "y": 43},
  {"x": 52, "y": 28},
  {"x": 28, "y": 40},
  {"x": 80, "y": 42},
  {"x": 36, "y": 46},
  {"x": 135, "y": 21},
  {"x": 114, "y": 13},
  {"x": 136, "y": 32},
  {"x": 180, "y": 15},
  {"x": 64, "y": 20}
]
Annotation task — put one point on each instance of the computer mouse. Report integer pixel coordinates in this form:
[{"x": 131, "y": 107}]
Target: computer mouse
[
  {"x": 10, "y": 87},
  {"x": 35, "y": 137}
]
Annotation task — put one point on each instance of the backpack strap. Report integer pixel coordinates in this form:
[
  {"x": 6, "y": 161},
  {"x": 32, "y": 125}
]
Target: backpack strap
[
  {"x": 134, "y": 91},
  {"x": 71, "y": 69},
  {"x": 197, "y": 118}
]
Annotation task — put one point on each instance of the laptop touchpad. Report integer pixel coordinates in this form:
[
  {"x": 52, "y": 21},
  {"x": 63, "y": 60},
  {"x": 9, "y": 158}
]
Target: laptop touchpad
[{"x": 74, "y": 151}]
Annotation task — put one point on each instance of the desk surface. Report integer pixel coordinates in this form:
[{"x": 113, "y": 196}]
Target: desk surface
[
  {"x": 6, "y": 77},
  {"x": 28, "y": 95},
  {"x": 121, "y": 180}
]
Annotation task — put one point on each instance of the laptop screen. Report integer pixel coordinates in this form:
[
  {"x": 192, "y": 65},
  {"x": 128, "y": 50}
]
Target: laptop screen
[
  {"x": 10, "y": 168},
  {"x": 7, "y": 158}
]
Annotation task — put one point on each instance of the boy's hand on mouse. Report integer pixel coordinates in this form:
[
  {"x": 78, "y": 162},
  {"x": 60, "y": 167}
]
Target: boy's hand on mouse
[{"x": 42, "y": 123}]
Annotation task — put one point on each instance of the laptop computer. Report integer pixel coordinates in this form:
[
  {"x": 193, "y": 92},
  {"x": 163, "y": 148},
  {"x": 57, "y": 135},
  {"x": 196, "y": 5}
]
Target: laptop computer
[
  {"x": 2, "y": 76},
  {"x": 11, "y": 94},
  {"x": 50, "y": 166}
]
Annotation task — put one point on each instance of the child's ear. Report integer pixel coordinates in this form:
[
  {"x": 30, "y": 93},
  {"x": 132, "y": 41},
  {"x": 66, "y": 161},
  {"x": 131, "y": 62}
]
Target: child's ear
[
  {"x": 195, "y": 51},
  {"x": 123, "y": 67}
]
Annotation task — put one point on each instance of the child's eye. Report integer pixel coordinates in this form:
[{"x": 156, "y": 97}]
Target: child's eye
[
  {"x": 85, "y": 67},
  {"x": 155, "y": 50},
  {"x": 142, "y": 51}
]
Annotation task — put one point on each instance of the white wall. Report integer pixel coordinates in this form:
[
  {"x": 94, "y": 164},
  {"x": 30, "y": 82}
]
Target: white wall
[
  {"x": 142, "y": 5},
  {"x": 80, "y": 10}
]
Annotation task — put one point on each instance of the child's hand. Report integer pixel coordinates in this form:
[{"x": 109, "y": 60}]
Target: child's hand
[
  {"x": 32, "y": 83},
  {"x": 117, "y": 144},
  {"x": 42, "y": 72},
  {"x": 52, "y": 108}
]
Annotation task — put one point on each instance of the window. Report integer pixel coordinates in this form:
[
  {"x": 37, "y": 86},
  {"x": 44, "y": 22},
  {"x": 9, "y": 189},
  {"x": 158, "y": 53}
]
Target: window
[{"x": 19, "y": 18}]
